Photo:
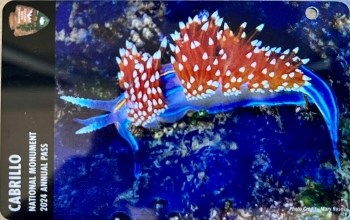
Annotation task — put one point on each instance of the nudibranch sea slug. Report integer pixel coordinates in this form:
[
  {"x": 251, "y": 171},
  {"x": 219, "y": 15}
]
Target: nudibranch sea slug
[{"x": 212, "y": 69}]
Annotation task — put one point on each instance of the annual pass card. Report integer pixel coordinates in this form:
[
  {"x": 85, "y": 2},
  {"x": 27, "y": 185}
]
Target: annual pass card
[{"x": 175, "y": 110}]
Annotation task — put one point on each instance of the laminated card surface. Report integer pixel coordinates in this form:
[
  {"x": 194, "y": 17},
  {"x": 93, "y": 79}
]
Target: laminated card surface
[{"x": 175, "y": 110}]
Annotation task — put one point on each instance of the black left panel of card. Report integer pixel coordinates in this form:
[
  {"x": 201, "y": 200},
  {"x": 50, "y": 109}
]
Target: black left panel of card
[{"x": 27, "y": 110}]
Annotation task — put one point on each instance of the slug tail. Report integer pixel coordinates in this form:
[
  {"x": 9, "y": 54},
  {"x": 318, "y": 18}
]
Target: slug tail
[{"x": 323, "y": 97}]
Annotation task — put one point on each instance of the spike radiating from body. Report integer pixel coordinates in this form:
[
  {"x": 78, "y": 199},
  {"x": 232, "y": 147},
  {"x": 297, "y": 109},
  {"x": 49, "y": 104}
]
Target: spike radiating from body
[{"x": 212, "y": 69}]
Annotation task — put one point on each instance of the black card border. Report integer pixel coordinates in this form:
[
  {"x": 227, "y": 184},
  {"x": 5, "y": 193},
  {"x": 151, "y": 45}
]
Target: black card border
[{"x": 28, "y": 100}]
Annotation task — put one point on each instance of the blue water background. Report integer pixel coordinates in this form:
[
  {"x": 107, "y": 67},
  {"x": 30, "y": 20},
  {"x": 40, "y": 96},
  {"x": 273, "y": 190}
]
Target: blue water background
[{"x": 87, "y": 185}]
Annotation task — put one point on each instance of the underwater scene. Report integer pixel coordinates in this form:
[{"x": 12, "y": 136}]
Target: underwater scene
[{"x": 202, "y": 110}]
